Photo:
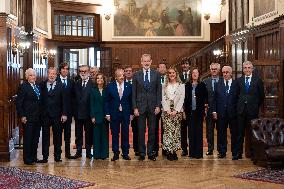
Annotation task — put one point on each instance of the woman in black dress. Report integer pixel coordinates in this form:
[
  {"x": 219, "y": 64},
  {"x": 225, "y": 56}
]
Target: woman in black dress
[{"x": 195, "y": 101}]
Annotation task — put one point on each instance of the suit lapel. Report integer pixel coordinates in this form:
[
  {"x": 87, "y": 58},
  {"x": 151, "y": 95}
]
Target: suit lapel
[{"x": 152, "y": 77}]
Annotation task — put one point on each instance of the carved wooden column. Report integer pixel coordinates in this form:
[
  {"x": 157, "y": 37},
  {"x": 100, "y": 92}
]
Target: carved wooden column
[{"x": 4, "y": 104}]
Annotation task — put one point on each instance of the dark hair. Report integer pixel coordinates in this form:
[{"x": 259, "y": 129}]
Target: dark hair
[
  {"x": 190, "y": 74},
  {"x": 127, "y": 66},
  {"x": 104, "y": 78},
  {"x": 62, "y": 65}
]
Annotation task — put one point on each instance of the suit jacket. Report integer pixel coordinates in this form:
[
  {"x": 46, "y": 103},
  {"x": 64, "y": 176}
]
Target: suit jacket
[
  {"x": 178, "y": 98},
  {"x": 97, "y": 105},
  {"x": 201, "y": 98},
  {"x": 27, "y": 102},
  {"x": 225, "y": 102},
  {"x": 253, "y": 99},
  {"x": 182, "y": 78},
  {"x": 146, "y": 99},
  {"x": 53, "y": 102},
  {"x": 112, "y": 101},
  {"x": 208, "y": 82},
  {"x": 82, "y": 99},
  {"x": 69, "y": 95}
]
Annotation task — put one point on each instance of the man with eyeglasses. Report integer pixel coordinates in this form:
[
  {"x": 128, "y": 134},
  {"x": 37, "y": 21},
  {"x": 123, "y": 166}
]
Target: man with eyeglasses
[
  {"x": 210, "y": 122},
  {"x": 82, "y": 112},
  {"x": 225, "y": 112},
  {"x": 250, "y": 98},
  {"x": 68, "y": 84}
]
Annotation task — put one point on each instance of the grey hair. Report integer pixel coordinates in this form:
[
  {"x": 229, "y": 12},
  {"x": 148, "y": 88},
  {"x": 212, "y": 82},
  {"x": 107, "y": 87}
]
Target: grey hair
[
  {"x": 145, "y": 55},
  {"x": 229, "y": 68},
  {"x": 118, "y": 70},
  {"x": 28, "y": 71},
  {"x": 217, "y": 64},
  {"x": 51, "y": 68},
  {"x": 247, "y": 63}
]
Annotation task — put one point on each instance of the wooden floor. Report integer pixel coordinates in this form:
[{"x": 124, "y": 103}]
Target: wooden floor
[{"x": 210, "y": 172}]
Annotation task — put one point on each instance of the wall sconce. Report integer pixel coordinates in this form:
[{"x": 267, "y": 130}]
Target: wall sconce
[
  {"x": 219, "y": 53},
  {"x": 212, "y": 7},
  {"x": 206, "y": 16},
  {"x": 51, "y": 53}
]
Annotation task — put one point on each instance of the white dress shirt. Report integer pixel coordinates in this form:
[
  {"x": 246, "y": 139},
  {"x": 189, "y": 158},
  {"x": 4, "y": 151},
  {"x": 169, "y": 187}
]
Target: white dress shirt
[{"x": 144, "y": 74}]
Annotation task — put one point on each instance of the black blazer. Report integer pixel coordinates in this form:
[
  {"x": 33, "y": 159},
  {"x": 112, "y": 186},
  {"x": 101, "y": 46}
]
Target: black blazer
[
  {"x": 253, "y": 99},
  {"x": 54, "y": 101},
  {"x": 27, "y": 102},
  {"x": 225, "y": 102},
  {"x": 201, "y": 98},
  {"x": 82, "y": 99},
  {"x": 69, "y": 94}
]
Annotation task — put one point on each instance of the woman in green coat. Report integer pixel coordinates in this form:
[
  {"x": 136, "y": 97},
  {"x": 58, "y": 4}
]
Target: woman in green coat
[{"x": 100, "y": 125}]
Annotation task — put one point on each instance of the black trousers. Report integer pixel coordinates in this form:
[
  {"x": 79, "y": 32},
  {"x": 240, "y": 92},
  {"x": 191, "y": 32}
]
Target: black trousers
[
  {"x": 210, "y": 126},
  {"x": 195, "y": 134},
  {"x": 184, "y": 137},
  {"x": 31, "y": 139},
  {"x": 157, "y": 138},
  {"x": 85, "y": 124},
  {"x": 135, "y": 134},
  {"x": 222, "y": 124},
  {"x": 244, "y": 120},
  {"x": 57, "y": 136},
  {"x": 66, "y": 128},
  {"x": 151, "y": 122}
]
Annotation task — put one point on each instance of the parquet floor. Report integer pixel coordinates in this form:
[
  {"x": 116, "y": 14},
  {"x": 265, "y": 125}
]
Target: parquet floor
[{"x": 208, "y": 173}]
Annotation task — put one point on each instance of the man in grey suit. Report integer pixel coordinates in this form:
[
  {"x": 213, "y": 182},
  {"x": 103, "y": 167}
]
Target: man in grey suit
[
  {"x": 146, "y": 101},
  {"x": 210, "y": 122}
]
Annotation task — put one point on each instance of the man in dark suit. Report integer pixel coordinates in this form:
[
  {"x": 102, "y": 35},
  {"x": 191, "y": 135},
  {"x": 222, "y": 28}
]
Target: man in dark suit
[
  {"x": 28, "y": 110},
  {"x": 225, "y": 112},
  {"x": 162, "y": 69},
  {"x": 250, "y": 98},
  {"x": 210, "y": 122},
  {"x": 118, "y": 110},
  {"x": 82, "y": 112},
  {"x": 69, "y": 96},
  {"x": 54, "y": 112},
  {"x": 184, "y": 75},
  {"x": 146, "y": 101},
  {"x": 128, "y": 73}
]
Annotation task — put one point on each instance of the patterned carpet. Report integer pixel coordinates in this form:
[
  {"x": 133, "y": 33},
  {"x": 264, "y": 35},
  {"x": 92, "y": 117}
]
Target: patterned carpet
[
  {"x": 14, "y": 178},
  {"x": 265, "y": 175}
]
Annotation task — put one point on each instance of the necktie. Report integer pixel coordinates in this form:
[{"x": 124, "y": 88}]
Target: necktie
[
  {"x": 64, "y": 83},
  {"x": 185, "y": 76},
  {"x": 162, "y": 79},
  {"x": 247, "y": 84},
  {"x": 50, "y": 87},
  {"x": 84, "y": 84},
  {"x": 36, "y": 91},
  {"x": 213, "y": 85},
  {"x": 146, "y": 81},
  {"x": 227, "y": 86},
  {"x": 120, "y": 96}
]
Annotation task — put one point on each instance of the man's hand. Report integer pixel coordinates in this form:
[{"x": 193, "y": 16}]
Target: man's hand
[
  {"x": 63, "y": 118},
  {"x": 131, "y": 117},
  {"x": 93, "y": 120},
  {"x": 214, "y": 115},
  {"x": 157, "y": 110},
  {"x": 136, "y": 112},
  {"x": 24, "y": 120},
  {"x": 108, "y": 117}
]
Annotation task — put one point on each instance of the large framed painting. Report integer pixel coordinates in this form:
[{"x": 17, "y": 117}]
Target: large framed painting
[
  {"x": 260, "y": 9},
  {"x": 157, "y": 18},
  {"x": 40, "y": 18}
]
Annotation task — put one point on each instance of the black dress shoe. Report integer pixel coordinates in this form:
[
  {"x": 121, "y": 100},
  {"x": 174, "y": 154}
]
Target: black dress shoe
[
  {"x": 209, "y": 153},
  {"x": 57, "y": 159},
  {"x": 221, "y": 156},
  {"x": 89, "y": 156},
  {"x": 153, "y": 158},
  {"x": 126, "y": 157},
  {"x": 175, "y": 157},
  {"x": 141, "y": 158},
  {"x": 240, "y": 156},
  {"x": 42, "y": 161},
  {"x": 184, "y": 153},
  {"x": 137, "y": 154},
  {"x": 68, "y": 156},
  {"x": 170, "y": 156},
  {"x": 235, "y": 158},
  {"x": 76, "y": 156},
  {"x": 115, "y": 157}
]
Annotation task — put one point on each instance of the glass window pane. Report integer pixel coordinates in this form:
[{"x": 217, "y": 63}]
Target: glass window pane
[
  {"x": 79, "y": 21},
  {"x": 85, "y": 31},
  {"x": 56, "y": 29},
  {"x": 79, "y": 31},
  {"x": 91, "y": 32},
  {"x": 62, "y": 30},
  {"x": 55, "y": 19}
]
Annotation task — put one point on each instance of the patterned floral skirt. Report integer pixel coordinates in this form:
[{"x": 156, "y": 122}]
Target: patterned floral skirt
[{"x": 172, "y": 135}]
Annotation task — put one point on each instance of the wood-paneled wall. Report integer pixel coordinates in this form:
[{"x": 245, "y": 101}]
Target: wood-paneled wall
[{"x": 129, "y": 53}]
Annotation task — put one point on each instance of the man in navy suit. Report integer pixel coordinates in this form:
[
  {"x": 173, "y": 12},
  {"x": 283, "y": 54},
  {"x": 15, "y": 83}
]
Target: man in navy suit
[
  {"x": 69, "y": 96},
  {"x": 118, "y": 110},
  {"x": 54, "y": 112},
  {"x": 225, "y": 111},
  {"x": 28, "y": 110},
  {"x": 82, "y": 113},
  {"x": 250, "y": 98}
]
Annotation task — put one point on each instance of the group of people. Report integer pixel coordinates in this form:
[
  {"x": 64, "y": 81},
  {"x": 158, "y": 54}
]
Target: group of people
[{"x": 163, "y": 98}]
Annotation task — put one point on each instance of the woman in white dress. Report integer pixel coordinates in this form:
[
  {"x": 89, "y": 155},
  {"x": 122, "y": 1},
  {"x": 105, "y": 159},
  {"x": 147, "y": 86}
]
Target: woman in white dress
[{"x": 173, "y": 94}]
